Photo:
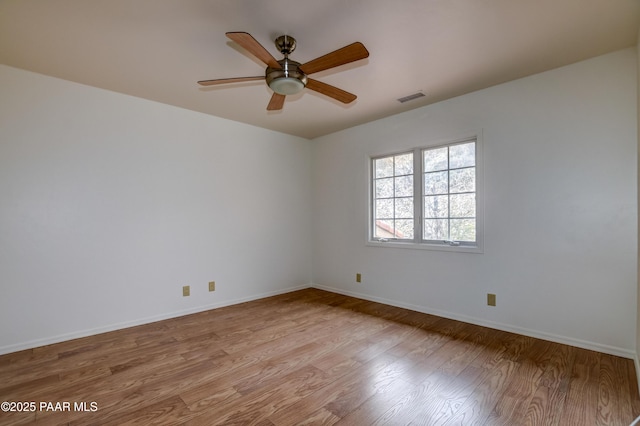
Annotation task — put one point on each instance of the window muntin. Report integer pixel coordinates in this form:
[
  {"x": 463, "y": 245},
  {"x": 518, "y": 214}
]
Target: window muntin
[{"x": 427, "y": 196}]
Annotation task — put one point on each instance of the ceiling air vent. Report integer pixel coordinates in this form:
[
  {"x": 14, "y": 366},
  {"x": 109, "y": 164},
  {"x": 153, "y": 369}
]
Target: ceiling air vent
[{"x": 411, "y": 97}]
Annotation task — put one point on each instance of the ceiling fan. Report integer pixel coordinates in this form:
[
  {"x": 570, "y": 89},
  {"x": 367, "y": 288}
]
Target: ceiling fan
[{"x": 287, "y": 77}]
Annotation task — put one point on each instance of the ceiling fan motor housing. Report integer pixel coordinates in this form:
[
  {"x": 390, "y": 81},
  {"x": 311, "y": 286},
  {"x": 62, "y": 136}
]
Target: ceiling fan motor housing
[
  {"x": 286, "y": 81},
  {"x": 285, "y": 44}
]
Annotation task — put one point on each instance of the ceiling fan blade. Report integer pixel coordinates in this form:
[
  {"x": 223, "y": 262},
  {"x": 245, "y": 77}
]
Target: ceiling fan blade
[
  {"x": 276, "y": 102},
  {"x": 331, "y": 91},
  {"x": 350, "y": 53},
  {"x": 228, "y": 80},
  {"x": 251, "y": 44}
]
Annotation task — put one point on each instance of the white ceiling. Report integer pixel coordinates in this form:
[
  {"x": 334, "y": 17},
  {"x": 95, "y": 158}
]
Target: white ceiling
[{"x": 158, "y": 49}]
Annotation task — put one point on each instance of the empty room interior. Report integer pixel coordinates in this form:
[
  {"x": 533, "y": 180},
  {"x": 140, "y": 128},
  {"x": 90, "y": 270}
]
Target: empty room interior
[{"x": 320, "y": 212}]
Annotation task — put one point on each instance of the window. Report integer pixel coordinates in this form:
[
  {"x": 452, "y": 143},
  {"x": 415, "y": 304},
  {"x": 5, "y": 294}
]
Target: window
[
  {"x": 450, "y": 193},
  {"x": 394, "y": 197},
  {"x": 427, "y": 196}
]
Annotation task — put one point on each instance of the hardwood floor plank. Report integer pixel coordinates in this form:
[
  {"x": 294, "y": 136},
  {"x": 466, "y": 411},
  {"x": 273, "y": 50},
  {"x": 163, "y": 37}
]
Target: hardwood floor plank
[
  {"x": 381, "y": 404},
  {"x": 614, "y": 406},
  {"x": 318, "y": 417},
  {"x": 477, "y": 407},
  {"x": 336, "y": 363},
  {"x": 315, "y": 357},
  {"x": 422, "y": 410},
  {"x": 582, "y": 396},
  {"x": 257, "y": 406},
  {"x": 166, "y": 412},
  {"x": 352, "y": 385},
  {"x": 451, "y": 399},
  {"x": 421, "y": 345},
  {"x": 468, "y": 347},
  {"x": 17, "y": 418},
  {"x": 634, "y": 393},
  {"x": 522, "y": 386},
  {"x": 272, "y": 371},
  {"x": 134, "y": 389},
  {"x": 407, "y": 405},
  {"x": 383, "y": 339},
  {"x": 547, "y": 404},
  {"x": 24, "y": 390},
  {"x": 460, "y": 377}
]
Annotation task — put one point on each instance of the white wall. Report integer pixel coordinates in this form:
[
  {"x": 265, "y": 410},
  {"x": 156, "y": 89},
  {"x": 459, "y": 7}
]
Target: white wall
[
  {"x": 560, "y": 165},
  {"x": 109, "y": 204}
]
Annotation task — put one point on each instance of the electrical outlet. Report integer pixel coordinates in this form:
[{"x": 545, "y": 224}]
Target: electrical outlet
[
  {"x": 212, "y": 286},
  {"x": 491, "y": 299},
  {"x": 358, "y": 278},
  {"x": 186, "y": 290}
]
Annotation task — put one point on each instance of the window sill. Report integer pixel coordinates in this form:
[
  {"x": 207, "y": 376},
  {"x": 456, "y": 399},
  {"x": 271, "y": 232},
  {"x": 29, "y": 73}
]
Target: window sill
[{"x": 425, "y": 246}]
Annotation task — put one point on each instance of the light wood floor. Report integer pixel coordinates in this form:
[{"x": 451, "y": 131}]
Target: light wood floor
[{"x": 313, "y": 357}]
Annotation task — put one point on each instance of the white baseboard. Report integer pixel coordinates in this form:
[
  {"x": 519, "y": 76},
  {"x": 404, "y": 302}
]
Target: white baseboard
[
  {"x": 147, "y": 320},
  {"x": 611, "y": 350}
]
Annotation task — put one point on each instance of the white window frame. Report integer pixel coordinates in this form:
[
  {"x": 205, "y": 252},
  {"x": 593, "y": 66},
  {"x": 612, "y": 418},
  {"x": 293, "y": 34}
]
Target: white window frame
[{"x": 417, "y": 242}]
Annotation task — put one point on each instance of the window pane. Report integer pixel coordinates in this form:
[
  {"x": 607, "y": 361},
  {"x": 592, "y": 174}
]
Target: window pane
[
  {"x": 435, "y": 183},
  {"x": 435, "y": 159},
  {"x": 463, "y": 155},
  {"x": 404, "y": 229},
  {"x": 384, "y": 188},
  {"x": 463, "y": 205},
  {"x": 404, "y": 208},
  {"x": 463, "y": 229},
  {"x": 383, "y": 167},
  {"x": 404, "y": 164},
  {"x": 384, "y": 209},
  {"x": 436, "y": 229},
  {"x": 404, "y": 186},
  {"x": 384, "y": 229},
  {"x": 462, "y": 180},
  {"x": 436, "y": 206}
]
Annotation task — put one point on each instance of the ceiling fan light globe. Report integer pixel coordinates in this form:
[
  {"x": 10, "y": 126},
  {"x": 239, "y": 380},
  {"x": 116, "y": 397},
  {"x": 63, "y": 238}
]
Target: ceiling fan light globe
[{"x": 286, "y": 85}]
